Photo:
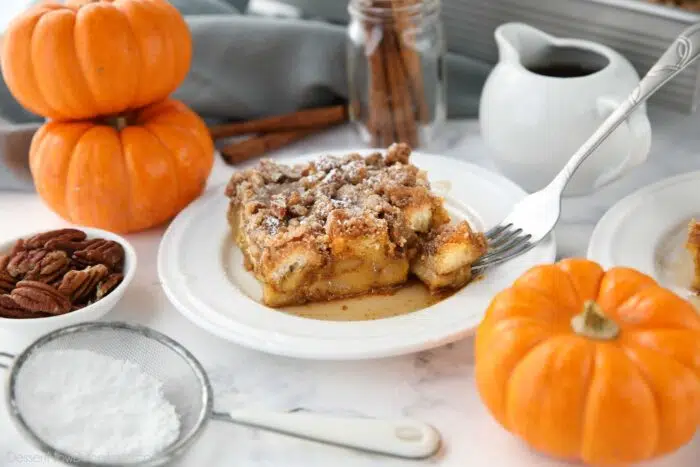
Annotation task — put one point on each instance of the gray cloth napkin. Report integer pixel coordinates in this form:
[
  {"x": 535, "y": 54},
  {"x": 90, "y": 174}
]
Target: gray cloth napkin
[{"x": 244, "y": 67}]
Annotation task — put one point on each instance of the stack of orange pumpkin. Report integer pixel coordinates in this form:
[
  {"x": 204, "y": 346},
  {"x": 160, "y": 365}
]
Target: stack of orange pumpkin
[{"x": 115, "y": 153}]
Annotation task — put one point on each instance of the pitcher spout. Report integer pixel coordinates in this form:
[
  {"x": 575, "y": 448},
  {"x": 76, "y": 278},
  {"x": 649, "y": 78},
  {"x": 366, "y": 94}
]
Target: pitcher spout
[{"x": 519, "y": 42}]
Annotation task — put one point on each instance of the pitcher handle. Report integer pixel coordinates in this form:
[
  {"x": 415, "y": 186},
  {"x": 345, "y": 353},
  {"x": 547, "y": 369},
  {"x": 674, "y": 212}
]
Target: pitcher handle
[
  {"x": 639, "y": 129},
  {"x": 684, "y": 50},
  {"x": 8, "y": 356}
]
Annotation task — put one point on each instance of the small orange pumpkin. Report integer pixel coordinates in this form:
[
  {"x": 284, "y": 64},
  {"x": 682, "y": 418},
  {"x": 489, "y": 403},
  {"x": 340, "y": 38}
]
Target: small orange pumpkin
[
  {"x": 126, "y": 176},
  {"x": 95, "y": 57},
  {"x": 589, "y": 365}
]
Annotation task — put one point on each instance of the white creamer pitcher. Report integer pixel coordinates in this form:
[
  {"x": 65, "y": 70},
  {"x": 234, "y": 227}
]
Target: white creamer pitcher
[{"x": 546, "y": 96}]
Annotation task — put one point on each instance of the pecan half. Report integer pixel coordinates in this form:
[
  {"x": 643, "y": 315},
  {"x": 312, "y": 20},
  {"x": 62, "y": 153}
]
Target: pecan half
[
  {"x": 63, "y": 235},
  {"x": 10, "y": 309},
  {"x": 50, "y": 268},
  {"x": 17, "y": 247},
  {"x": 108, "y": 284},
  {"x": 69, "y": 246},
  {"x": 80, "y": 286},
  {"x": 39, "y": 297},
  {"x": 7, "y": 282},
  {"x": 24, "y": 261},
  {"x": 106, "y": 252}
]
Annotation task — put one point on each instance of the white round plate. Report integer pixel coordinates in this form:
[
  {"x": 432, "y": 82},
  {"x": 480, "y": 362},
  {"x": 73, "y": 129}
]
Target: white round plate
[
  {"x": 202, "y": 274},
  {"x": 647, "y": 231}
]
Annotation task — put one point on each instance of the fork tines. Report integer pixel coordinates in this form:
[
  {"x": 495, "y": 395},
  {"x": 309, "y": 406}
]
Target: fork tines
[{"x": 505, "y": 242}]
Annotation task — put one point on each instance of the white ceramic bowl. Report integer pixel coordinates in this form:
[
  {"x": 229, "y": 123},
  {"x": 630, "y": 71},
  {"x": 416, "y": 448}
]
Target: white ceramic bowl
[{"x": 21, "y": 332}]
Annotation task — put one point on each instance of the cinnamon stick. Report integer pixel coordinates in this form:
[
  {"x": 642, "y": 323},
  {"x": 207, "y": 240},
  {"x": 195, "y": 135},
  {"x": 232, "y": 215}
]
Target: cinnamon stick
[
  {"x": 396, "y": 94},
  {"x": 379, "y": 123},
  {"x": 410, "y": 58},
  {"x": 240, "y": 151},
  {"x": 402, "y": 106},
  {"x": 303, "y": 119}
]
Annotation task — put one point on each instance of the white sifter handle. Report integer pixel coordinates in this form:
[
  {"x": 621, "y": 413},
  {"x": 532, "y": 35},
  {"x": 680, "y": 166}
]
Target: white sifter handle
[{"x": 405, "y": 438}]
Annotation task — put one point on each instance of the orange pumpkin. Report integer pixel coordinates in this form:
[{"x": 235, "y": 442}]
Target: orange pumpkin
[
  {"x": 86, "y": 58},
  {"x": 589, "y": 365},
  {"x": 127, "y": 175}
]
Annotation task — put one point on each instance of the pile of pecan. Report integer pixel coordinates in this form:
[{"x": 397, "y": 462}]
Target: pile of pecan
[{"x": 57, "y": 272}]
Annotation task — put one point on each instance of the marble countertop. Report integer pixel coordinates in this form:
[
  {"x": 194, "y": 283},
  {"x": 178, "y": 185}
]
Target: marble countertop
[{"x": 436, "y": 386}]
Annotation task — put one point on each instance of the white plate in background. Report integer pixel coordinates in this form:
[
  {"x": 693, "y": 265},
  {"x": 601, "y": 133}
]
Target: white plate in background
[
  {"x": 647, "y": 231},
  {"x": 202, "y": 274}
]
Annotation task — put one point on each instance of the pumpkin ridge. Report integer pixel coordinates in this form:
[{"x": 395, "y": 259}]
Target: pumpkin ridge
[
  {"x": 568, "y": 265},
  {"x": 612, "y": 353},
  {"x": 173, "y": 159},
  {"x": 176, "y": 109},
  {"x": 630, "y": 345},
  {"x": 127, "y": 20},
  {"x": 57, "y": 29},
  {"x": 193, "y": 134},
  {"x": 33, "y": 70},
  {"x": 84, "y": 68},
  {"x": 587, "y": 400},
  {"x": 542, "y": 290},
  {"x": 635, "y": 296},
  {"x": 128, "y": 180},
  {"x": 509, "y": 382},
  {"x": 657, "y": 405},
  {"x": 40, "y": 150}
]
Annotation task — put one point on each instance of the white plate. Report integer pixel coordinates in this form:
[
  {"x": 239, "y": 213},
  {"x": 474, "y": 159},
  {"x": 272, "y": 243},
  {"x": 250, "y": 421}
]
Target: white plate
[
  {"x": 202, "y": 274},
  {"x": 647, "y": 231}
]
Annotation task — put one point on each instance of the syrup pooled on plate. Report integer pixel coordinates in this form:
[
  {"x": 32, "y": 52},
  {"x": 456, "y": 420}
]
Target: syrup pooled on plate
[{"x": 405, "y": 299}]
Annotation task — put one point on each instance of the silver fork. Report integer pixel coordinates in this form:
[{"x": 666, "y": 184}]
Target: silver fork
[{"x": 536, "y": 215}]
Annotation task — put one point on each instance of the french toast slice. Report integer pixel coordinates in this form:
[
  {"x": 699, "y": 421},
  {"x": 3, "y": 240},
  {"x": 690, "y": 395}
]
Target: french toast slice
[{"x": 345, "y": 226}]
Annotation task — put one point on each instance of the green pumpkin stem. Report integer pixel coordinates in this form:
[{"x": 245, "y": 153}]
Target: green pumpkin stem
[{"x": 593, "y": 323}]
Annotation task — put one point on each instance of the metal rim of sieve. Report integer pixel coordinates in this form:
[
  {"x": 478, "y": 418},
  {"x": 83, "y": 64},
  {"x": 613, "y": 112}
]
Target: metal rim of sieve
[{"x": 169, "y": 454}]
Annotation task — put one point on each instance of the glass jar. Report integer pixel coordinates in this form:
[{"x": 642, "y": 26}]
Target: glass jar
[{"x": 396, "y": 75}]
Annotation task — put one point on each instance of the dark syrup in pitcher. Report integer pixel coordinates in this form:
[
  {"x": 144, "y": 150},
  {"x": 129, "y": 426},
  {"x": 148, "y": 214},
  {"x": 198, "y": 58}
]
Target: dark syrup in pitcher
[{"x": 567, "y": 62}]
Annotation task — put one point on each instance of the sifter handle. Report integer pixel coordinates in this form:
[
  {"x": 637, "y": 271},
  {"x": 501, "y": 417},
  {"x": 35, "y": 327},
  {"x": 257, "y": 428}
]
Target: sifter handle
[{"x": 405, "y": 438}]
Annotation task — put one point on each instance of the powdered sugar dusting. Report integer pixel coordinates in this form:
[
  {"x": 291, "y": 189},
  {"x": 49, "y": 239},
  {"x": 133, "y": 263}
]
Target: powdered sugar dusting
[
  {"x": 96, "y": 407},
  {"x": 271, "y": 224}
]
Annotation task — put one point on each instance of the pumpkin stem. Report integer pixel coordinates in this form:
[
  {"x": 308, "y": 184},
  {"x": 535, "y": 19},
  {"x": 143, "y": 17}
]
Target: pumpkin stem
[
  {"x": 593, "y": 323},
  {"x": 119, "y": 122}
]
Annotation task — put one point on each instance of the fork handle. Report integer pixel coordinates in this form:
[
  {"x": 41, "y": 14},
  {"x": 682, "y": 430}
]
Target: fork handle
[{"x": 684, "y": 50}]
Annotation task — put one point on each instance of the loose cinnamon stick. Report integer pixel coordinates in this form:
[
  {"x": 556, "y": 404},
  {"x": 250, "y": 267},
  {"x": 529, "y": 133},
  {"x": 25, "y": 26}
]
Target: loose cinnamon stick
[
  {"x": 303, "y": 119},
  {"x": 240, "y": 151}
]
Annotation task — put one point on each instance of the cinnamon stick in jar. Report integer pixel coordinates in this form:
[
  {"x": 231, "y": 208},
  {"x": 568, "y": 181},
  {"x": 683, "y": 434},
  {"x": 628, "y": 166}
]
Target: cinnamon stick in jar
[
  {"x": 402, "y": 110},
  {"x": 409, "y": 56},
  {"x": 394, "y": 97},
  {"x": 395, "y": 62},
  {"x": 380, "y": 125}
]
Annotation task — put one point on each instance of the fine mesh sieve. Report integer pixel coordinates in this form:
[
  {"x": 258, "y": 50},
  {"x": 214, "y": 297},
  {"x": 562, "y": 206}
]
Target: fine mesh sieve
[{"x": 186, "y": 386}]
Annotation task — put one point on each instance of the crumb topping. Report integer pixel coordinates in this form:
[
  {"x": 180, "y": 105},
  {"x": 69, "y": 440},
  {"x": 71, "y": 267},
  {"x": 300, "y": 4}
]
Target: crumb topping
[
  {"x": 352, "y": 195},
  {"x": 459, "y": 233},
  {"x": 694, "y": 234}
]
